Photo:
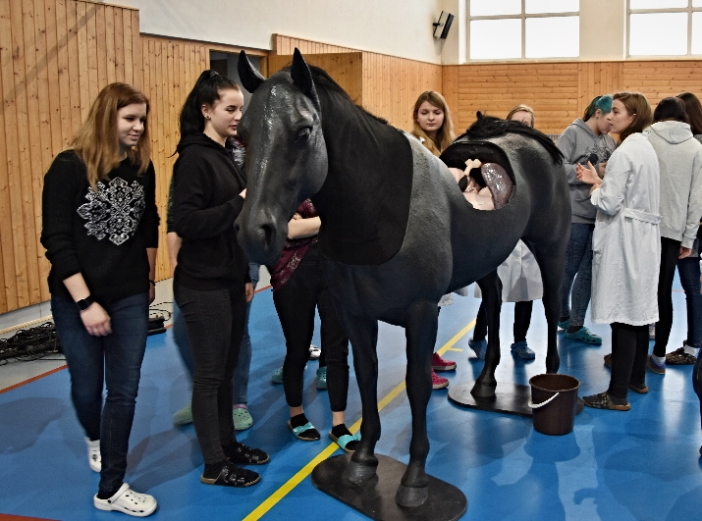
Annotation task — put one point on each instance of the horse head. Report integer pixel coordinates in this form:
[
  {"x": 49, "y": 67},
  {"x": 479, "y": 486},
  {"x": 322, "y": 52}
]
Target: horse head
[{"x": 286, "y": 156}]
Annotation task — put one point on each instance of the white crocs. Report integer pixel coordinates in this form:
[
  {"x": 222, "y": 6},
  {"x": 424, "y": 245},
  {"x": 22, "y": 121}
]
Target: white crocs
[
  {"x": 128, "y": 502},
  {"x": 94, "y": 458}
]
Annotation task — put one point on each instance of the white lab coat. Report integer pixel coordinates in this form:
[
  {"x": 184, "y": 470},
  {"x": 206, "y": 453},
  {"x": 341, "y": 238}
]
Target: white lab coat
[
  {"x": 520, "y": 276},
  {"x": 626, "y": 242}
]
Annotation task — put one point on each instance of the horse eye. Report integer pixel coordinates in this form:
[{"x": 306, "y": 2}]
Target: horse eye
[{"x": 303, "y": 133}]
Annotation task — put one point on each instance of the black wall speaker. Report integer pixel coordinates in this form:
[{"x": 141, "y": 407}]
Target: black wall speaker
[{"x": 443, "y": 26}]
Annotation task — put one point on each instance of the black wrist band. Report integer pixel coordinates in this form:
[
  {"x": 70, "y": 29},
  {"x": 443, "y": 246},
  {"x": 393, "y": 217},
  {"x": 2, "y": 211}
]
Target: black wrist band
[{"x": 85, "y": 303}]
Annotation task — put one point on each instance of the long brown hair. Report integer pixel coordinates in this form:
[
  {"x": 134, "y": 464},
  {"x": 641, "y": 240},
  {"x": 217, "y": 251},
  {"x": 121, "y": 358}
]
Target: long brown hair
[
  {"x": 445, "y": 135},
  {"x": 693, "y": 108},
  {"x": 522, "y": 108},
  {"x": 638, "y": 106},
  {"x": 97, "y": 143}
]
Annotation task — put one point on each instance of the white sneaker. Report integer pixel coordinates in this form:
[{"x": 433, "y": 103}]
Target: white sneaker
[
  {"x": 128, "y": 502},
  {"x": 314, "y": 352},
  {"x": 94, "y": 458}
]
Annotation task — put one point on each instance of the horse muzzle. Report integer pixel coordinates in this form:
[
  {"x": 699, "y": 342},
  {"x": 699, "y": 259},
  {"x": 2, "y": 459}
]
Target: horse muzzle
[{"x": 263, "y": 241}]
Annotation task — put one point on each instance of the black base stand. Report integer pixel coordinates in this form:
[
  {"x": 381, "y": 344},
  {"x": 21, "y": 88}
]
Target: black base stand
[
  {"x": 508, "y": 399},
  {"x": 376, "y": 499}
]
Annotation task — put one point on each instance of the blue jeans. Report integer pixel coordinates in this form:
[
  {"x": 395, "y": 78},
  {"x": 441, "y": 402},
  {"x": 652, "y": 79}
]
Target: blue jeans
[
  {"x": 240, "y": 380},
  {"x": 689, "y": 271},
  {"x": 114, "y": 361},
  {"x": 579, "y": 267}
]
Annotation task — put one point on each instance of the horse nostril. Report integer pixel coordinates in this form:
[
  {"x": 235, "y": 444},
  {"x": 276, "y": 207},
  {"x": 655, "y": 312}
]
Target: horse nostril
[{"x": 267, "y": 234}]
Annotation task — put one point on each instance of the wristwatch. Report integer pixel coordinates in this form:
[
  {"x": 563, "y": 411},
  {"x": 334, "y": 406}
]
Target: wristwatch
[{"x": 85, "y": 303}]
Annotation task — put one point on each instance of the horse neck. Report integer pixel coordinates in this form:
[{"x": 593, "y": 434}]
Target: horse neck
[{"x": 357, "y": 151}]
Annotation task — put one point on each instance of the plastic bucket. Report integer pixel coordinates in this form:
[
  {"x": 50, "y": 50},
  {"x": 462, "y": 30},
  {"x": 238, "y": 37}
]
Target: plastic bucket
[{"x": 553, "y": 398}]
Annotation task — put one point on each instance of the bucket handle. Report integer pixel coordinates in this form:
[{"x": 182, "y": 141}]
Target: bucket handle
[{"x": 537, "y": 405}]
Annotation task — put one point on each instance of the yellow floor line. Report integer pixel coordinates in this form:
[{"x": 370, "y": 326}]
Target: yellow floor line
[{"x": 305, "y": 471}]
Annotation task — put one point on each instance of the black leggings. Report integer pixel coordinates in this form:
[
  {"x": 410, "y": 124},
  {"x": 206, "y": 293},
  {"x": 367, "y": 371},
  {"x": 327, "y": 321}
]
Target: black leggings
[
  {"x": 629, "y": 352},
  {"x": 522, "y": 320},
  {"x": 295, "y": 303},
  {"x": 215, "y": 322},
  {"x": 670, "y": 250}
]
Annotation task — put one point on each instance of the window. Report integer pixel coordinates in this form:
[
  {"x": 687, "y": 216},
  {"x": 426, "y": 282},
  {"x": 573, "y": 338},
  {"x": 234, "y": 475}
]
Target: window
[
  {"x": 665, "y": 27},
  {"x": 514, "y": 29}
]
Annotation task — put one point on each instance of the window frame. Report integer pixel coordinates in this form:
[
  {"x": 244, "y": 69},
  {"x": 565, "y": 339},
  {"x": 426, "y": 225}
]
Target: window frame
[
  {"x": 659, "y": 10},
  {"x": 522, "y": 17}
]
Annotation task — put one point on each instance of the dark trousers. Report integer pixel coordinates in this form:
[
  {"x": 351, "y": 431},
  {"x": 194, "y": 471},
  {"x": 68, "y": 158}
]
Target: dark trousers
[
  {"x": 629, "y": 352},
  {"x": 113, "y": 361},
  {"x": 697, "y": 381},
  {"x": 670, "y": 250},
  {"x": 689, "y": 271},
  {"x": 215, "y": 322},
  {"x": 295, "y": 303},
  {"x": 522, "y": 320}
]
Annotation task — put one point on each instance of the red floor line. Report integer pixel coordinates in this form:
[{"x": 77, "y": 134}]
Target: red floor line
[{"x": 38, "y": 377}]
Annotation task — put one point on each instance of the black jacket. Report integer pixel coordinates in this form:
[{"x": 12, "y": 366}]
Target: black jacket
[
  {"x": 102, "y": 234},
  {"x": 206, "y": 201}
]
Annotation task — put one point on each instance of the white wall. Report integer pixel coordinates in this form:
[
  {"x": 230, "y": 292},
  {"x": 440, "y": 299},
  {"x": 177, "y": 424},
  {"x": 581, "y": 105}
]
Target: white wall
[{"x": 395, "y": 27}]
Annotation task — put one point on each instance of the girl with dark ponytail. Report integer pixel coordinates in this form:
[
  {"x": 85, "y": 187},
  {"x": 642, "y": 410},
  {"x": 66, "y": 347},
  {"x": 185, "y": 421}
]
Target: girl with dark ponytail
[{"x": 211, "y": 280}]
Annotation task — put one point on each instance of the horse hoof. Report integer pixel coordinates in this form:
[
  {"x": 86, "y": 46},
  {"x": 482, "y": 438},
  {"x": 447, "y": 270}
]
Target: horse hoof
[
  {"x": 483, "y": 391},
  {"x": 411, "y": 497},
  {"x": 358, "y": 473}
]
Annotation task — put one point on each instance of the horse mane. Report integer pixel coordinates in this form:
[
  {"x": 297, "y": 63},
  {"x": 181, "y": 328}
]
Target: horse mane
[
  {"x": 326, "y": 84},
  {"x": 490, "y": 126}
]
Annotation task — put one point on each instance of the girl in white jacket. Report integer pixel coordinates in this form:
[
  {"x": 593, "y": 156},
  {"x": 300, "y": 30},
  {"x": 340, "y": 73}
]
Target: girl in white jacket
[{"x": 626, "y": 249}]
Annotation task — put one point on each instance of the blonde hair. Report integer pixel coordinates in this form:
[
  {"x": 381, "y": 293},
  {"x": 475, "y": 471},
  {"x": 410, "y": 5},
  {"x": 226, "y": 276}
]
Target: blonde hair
[
  {"x": 445, "y": 135},
  {"x": 522, "y": 108},
  {"x": 638, "y": 106},
  {"x": 97, "y": 143}
]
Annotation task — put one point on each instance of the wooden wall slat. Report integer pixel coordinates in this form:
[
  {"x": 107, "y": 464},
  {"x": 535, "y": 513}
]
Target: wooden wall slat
[
  {"x": 19, "y": 155},
  {"x": 75, "y": 19},
  {"x": 8, "y": 293},
  {"x": 44, "y": 137},
  {"x": 31, "y": 190}
]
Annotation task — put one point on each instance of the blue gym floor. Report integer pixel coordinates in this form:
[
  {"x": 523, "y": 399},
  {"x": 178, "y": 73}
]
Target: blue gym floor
[{"x": 637, "y": 465}]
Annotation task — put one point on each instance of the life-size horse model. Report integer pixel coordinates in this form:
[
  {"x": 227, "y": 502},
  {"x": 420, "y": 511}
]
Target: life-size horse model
[{"x": 396, "y": 231}]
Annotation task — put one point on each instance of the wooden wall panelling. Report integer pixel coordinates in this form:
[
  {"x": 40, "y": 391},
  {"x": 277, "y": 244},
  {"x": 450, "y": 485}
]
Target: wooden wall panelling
[
  {"x": 31, "y": 184},
  {"x": 8, "y": 149},
  {"x": 285, "y": 45},
  {"x": 389, "y": 85},
  {"x": 19, "y": 159},
  {"x": 54, "y": 57},
  {"x": 344, "y": 68}
]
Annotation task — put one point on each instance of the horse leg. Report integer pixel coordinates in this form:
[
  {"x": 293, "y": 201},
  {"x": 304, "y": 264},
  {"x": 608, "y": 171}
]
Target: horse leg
[
  {"x": 363, "y": 334},
  {"x": 491, "y": 288},
  {"x": 552, "y": 268},
  {"x": 420, "y": 331}
]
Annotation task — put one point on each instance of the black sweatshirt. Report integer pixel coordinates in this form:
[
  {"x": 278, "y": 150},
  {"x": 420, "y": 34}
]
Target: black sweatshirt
[
  {"x": 101, "y": 234},
  {"x": 206, "y": 201}
]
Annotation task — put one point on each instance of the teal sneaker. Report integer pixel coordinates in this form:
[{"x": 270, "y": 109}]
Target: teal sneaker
[
  {"x": 277, "y": 377},
  {"x": 585, "y": 335},
  {"x": 242, "y": 418}
]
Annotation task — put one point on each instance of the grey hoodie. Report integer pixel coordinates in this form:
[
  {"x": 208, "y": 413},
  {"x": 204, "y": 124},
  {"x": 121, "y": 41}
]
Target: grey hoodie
[
  {"x": 680, "y": 161},
  {"x": 578, "y": 143}
]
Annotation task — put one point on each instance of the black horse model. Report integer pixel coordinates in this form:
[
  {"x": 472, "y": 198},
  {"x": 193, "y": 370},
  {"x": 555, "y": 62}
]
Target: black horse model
[{"x": 396, "y": 230}]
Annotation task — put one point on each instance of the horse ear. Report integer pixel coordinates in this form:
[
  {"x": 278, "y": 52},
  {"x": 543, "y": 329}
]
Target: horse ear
[
  {"x": 250, "y": 78},
  {"x": 478, "y": 114},
  {"x": 302, "y": 76}
]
